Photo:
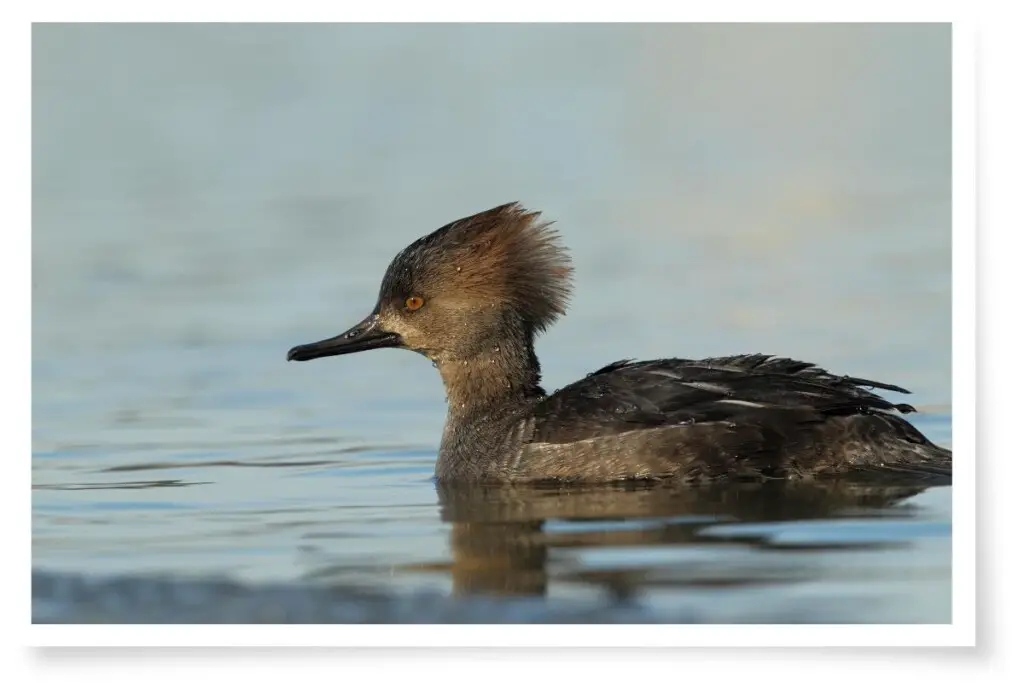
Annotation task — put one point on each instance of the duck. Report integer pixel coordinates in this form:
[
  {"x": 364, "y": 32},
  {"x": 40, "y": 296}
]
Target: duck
[{"x": 473, "y": 295}]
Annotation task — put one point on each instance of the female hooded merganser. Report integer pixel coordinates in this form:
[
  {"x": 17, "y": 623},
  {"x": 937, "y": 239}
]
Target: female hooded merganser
[{"x": 472, "y": 295}]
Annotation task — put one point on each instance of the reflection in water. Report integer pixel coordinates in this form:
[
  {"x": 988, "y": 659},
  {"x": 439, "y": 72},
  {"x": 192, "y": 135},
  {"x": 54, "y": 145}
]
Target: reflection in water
[{"x": 502, "y": 538}]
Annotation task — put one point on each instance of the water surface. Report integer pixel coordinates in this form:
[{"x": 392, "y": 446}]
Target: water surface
[{"x": 206, "y": 197}]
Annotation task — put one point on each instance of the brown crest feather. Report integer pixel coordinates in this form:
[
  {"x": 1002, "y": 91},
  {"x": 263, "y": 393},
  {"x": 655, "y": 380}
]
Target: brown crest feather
[{"x": 502, "y": 255}]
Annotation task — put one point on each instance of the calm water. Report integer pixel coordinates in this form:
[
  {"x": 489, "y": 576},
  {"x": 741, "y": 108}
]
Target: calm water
[{"x": 206, "y": 197}]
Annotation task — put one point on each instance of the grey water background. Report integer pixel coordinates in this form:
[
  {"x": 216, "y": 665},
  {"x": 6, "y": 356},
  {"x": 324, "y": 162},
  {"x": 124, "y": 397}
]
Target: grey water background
[{"x": 207, "y": 196}]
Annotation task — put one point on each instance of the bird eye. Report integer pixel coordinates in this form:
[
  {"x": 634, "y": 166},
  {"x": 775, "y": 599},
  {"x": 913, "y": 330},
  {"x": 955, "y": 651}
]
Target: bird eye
[{"x": 413, "y": 303}]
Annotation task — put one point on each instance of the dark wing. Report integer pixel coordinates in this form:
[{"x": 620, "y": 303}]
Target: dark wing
[{"x": 627, "y": 396}]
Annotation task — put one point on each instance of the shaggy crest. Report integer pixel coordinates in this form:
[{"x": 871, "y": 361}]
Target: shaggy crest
[{"x": 505, "y": 254}]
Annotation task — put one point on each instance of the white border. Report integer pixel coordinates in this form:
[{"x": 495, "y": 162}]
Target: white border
[
  {"x": 964, "y": 336},
  {"x": 501, "y": 636},
  {"x": 961, "y": 632},
  {"x": 404, "y": 11}
]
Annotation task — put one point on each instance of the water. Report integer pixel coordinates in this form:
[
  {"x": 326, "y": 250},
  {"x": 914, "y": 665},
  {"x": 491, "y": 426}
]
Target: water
[{"x": 206, "y": 197}]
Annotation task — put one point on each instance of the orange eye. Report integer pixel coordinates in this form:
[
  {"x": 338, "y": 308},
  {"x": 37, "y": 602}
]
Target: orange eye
[{"x": 413, "y": 303}]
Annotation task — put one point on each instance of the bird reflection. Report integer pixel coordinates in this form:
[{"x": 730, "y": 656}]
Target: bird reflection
[{"x": 500, "y": 544}]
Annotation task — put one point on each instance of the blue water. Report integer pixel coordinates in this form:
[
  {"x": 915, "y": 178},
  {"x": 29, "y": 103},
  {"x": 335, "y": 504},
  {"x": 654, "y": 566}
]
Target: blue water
[{"x": 207, "y": 196}]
